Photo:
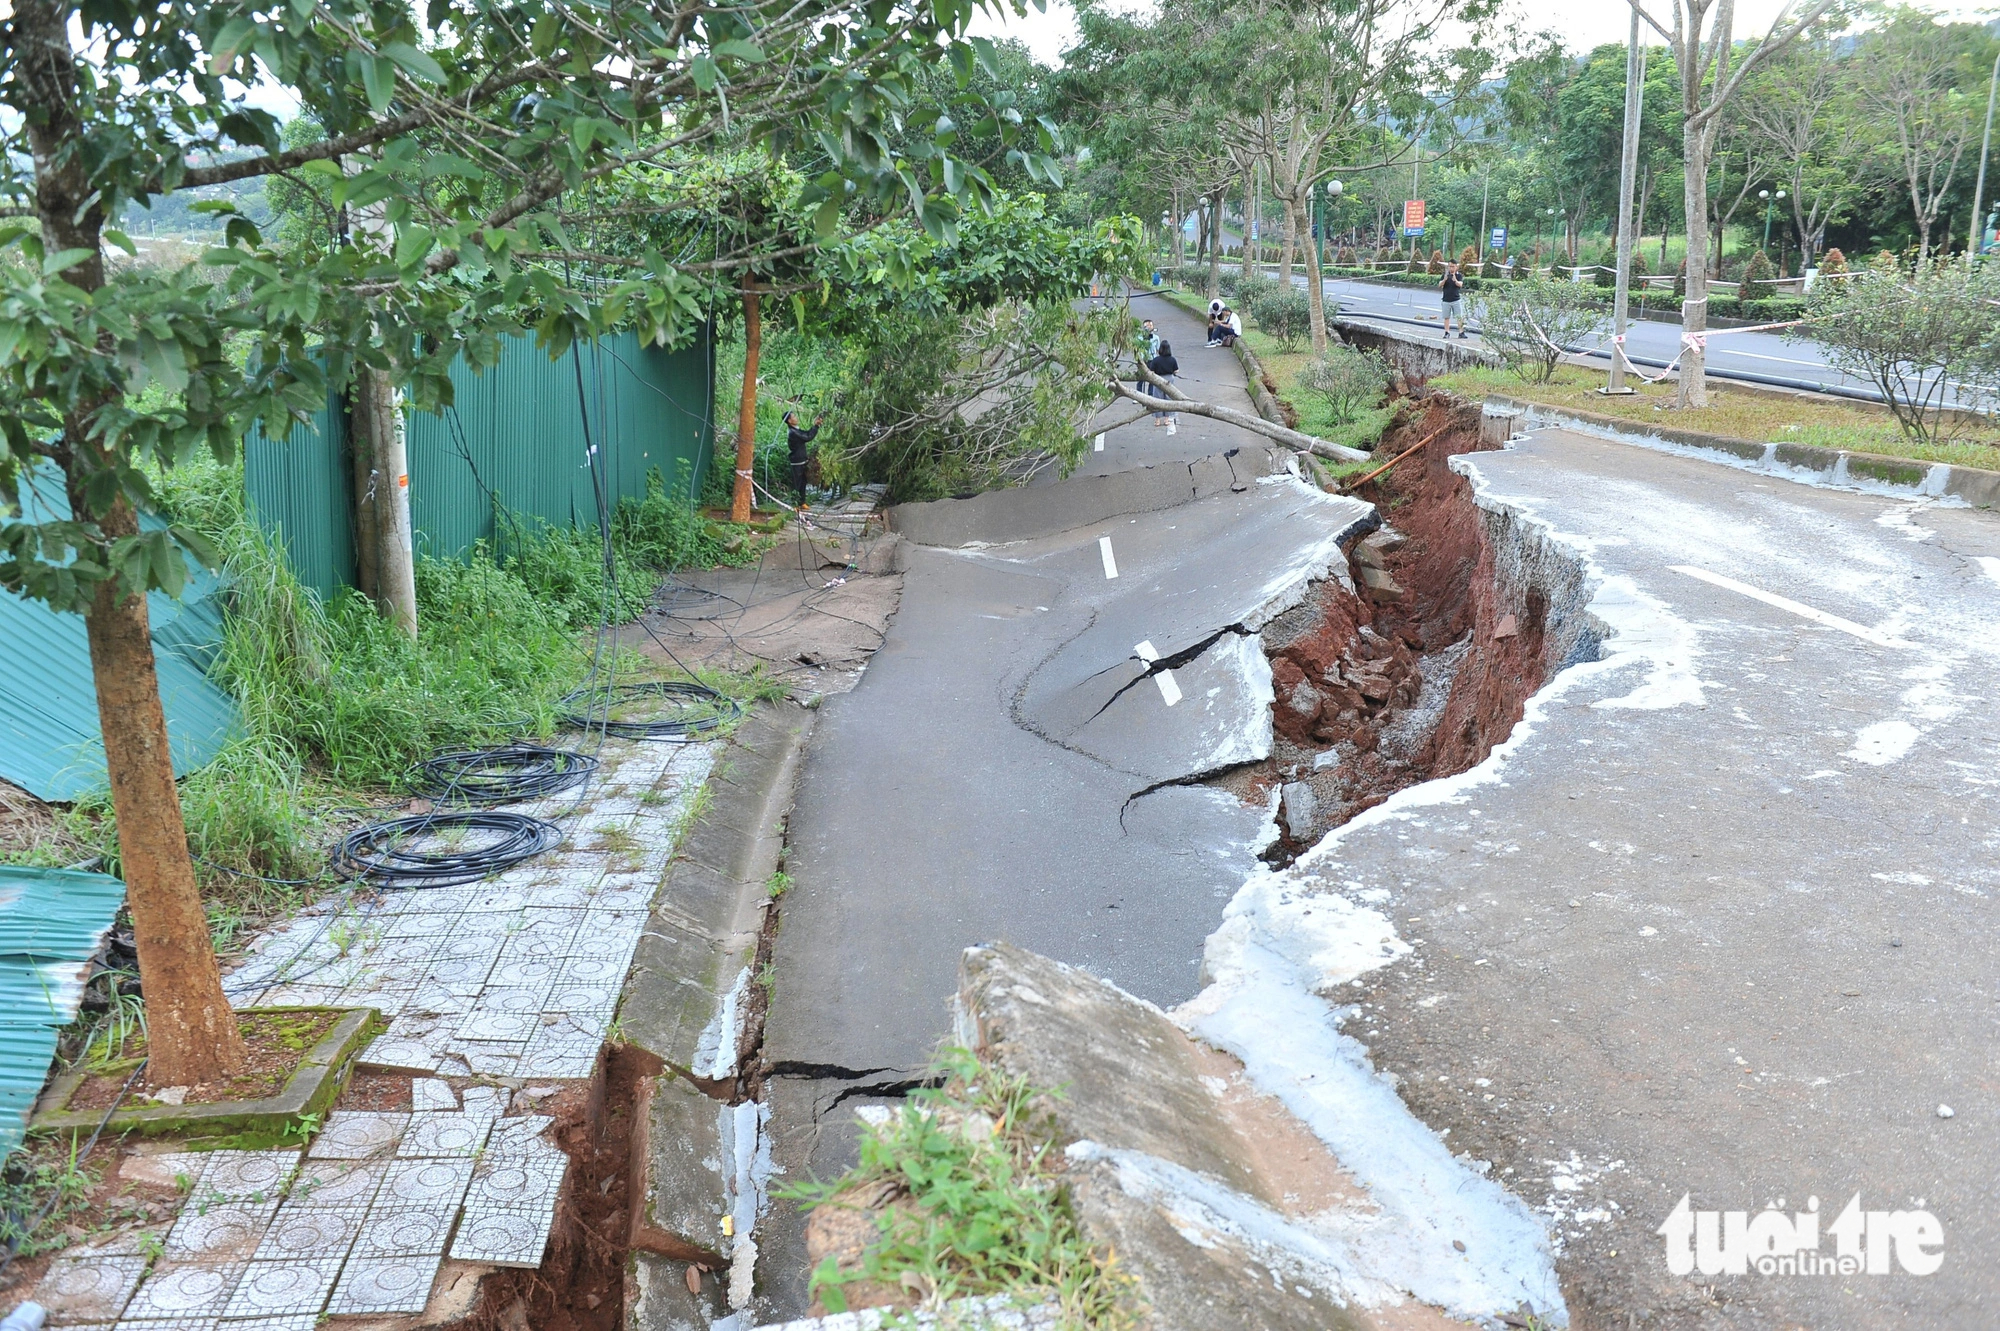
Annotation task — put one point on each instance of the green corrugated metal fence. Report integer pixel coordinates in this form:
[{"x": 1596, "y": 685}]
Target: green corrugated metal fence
[
  {"x": 50, "y": 744},
  {"x": 52, "y": 921},
  {"x": 518, "y": 435}
]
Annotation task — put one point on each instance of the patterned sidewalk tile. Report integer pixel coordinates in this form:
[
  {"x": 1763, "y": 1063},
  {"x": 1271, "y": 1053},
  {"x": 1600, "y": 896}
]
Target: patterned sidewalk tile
[
  {"x": 443, "y": 1134},
  {"x": 352, "y": 1134},
  {"x": 504, "y": 1237},
  {"x": 424, "y": 1183},
  {"x": 303, "y": 1234},
  {"x": 270, "y": 1289},
  {"x": 384, "y": 1285},
  {"x": 406, "y": 1232},
  {"x": 339, "y": 1184},
  {"x": 177, "y": 1290},
  {"x": 78, "y": 1288},
  {"x": 219, "y": 1233}
]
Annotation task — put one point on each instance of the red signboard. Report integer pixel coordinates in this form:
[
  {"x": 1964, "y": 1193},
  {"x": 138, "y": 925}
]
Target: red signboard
[{"x": 1413, "y": 217}]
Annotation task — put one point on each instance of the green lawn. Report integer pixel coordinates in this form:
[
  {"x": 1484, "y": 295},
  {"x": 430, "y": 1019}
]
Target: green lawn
[{"x": 1736, "y": 413}]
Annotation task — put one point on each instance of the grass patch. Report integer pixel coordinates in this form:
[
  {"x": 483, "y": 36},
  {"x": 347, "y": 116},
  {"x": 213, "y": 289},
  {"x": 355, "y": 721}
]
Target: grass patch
[
  {"x": 967, "y": 1200},
  {"x": 1363, "y": 432},
  {"x": 337, "y": 707},
  {"x": 1736, "y": 414}
]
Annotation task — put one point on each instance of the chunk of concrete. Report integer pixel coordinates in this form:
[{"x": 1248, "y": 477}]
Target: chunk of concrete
[
  {"x": 1379, "y": 585},
  {"x": 1297, "y": 803},
  {"x": 1162, "y": 1169}
]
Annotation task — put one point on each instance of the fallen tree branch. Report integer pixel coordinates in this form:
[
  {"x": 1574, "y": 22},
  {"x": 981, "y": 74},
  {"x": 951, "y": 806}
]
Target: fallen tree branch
[
  {"x": 1177, "y": 401},
  {"x": 1354, "y": 485}
]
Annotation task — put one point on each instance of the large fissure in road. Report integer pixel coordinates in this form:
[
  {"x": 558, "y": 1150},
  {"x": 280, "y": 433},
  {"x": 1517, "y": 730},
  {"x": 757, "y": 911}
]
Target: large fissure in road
[{"x": 1421, "y": 661}]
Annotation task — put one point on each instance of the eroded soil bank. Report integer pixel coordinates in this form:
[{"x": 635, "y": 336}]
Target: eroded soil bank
[{"x": 1421, "y": 661}]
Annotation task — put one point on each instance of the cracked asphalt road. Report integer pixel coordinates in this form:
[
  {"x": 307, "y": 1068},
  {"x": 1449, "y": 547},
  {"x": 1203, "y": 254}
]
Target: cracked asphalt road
[{"x": 1743, "y": 946}]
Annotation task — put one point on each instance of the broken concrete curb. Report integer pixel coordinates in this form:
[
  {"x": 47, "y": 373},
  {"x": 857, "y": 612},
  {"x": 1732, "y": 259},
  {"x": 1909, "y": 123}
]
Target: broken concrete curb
[
  {"x": 1977, "y": 487},
  {"x": 686, "y": 1004}
]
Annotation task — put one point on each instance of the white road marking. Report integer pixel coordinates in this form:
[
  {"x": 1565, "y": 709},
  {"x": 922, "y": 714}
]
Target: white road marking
[
  {"x": 1991, "y": 565},
  {"x": 1099, "y": 445},
  {"x": 1170, "y": 691},
  {"x": 1861, "y": 631},
  {"x": 1110, "y": 564}
]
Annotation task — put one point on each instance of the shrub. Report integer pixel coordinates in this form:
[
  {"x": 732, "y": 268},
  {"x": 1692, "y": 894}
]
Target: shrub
[
  {"x": 1832, "y": 264},
  {"x": 1251, "y": 289},
  {"x": 1757, "y": 275},
  {"x": 1533, "y": 321},
  {"x": 1347, "y": 380},
  {"x": 1915, "y": 337},
  {"x": 1284, "y": 314},
  {"x": 1437, "y": 262},
  {"x": 1468, "y": 259}
]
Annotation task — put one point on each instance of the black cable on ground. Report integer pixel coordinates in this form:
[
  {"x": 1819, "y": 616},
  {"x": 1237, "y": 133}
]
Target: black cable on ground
[
  {"x": 695, "y": 710},
  {"x": 503, "y": 775},
  {"x": 431, "y": 850}
]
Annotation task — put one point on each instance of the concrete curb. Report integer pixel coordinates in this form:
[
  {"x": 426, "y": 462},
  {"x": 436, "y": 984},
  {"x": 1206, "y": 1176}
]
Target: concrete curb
[
  {"x": 684, "y": 1005},
  {"x": 1977, "y": 487}
]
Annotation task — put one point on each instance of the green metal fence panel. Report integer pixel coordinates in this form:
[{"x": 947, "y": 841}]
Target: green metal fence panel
[
  {"x": 301, "y": 490},
  {"x": 516, "y": 434},
  {"x": 52, "y": 921},
  {"x": 50, "y": 744}
]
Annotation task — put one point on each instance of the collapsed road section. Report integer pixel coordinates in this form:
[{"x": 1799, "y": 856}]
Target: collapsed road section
[{"x": 1087, "y": 739}]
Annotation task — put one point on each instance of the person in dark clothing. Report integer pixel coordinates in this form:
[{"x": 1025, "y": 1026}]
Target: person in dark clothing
[
  {"x": 1166, "y": 367},
  {"x": 1452, "y": 285},
  {"x": 798, "y": 440}
]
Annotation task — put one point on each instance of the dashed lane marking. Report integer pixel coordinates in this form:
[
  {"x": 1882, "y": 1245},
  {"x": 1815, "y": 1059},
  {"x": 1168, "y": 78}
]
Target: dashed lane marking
[{"x": 1861, "y": 631}]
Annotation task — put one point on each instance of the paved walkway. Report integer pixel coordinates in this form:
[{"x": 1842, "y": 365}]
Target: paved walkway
[{"x": 510, "y": 981}]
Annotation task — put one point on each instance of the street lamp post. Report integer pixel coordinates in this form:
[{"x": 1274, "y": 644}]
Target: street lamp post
[
  {"x": 1770, "y": 204},
  {"x": 1985, "y": 146}
]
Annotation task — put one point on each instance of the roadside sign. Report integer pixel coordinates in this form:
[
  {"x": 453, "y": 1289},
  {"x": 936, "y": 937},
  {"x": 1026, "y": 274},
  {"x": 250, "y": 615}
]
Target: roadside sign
[
  {"x": 1498, "y": 240},
  {"x": 1413, "y": 217}
]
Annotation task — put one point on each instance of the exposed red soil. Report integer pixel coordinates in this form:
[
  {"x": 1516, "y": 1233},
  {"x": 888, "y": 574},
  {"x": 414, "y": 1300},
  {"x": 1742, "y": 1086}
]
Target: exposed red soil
[
  {"x": 580, "y": 1285},
  {"x": 1346, "y": 667}
]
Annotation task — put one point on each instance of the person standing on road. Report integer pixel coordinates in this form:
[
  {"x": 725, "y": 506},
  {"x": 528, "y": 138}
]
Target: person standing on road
[
  {"x": 798, "y": 440},
  {"x": 1165, "y": 367},
  {"x": 1452, "y": 284},
  {"x": 1149, "y": 339}
]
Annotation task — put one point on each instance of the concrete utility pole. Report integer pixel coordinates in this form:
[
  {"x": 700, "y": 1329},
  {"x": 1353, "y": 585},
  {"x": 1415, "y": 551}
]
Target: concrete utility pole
[
  {"x": 1979, "y": 190},
  {"x": 1628, "y": 173}
]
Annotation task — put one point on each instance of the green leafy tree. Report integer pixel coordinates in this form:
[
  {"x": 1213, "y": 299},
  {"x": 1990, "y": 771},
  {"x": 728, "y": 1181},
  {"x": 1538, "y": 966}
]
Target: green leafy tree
[
  {"x": 448, "y": 146},
  {"x": 1929, "y": 340},
  {"x": 1534, "y": 322}
]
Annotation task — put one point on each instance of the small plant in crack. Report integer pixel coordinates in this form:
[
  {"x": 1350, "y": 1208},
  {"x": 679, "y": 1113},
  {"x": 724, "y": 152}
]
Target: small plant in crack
[
  {"x": 965, "y": 1193},
  {"x": 778, "y": 884}
]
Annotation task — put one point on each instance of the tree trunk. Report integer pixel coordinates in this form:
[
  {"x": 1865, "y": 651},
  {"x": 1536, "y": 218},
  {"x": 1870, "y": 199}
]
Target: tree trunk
[
  {"x": 1315, "y": 297},
  {"x": 1290, "y": 248},
  {"x": 361, "y": 459},
  {"x": 1250, "y": 229},
  {"x": 746, "y": 409},
  {"x": 383, "y": 448},
  {"x": 192, "y": 1034},
  {"x": 1215, "y": 244},
  {"x": 1693, "y": 390}
]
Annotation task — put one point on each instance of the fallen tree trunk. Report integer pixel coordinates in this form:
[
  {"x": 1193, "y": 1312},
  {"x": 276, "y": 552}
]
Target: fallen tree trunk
[{"x": 1177, "y": 401}]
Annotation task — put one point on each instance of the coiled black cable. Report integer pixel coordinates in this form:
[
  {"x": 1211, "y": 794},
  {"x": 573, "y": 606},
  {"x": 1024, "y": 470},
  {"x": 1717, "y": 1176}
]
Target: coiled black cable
[
  {"x": 694, "y": 710},
  {"x": 503, "y": 775},
  {"x": 423, "y": 850}
]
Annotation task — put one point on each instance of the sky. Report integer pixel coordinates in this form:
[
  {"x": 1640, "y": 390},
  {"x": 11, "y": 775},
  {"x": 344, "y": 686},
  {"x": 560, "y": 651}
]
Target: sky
[{"x": 1584, "y": 24}]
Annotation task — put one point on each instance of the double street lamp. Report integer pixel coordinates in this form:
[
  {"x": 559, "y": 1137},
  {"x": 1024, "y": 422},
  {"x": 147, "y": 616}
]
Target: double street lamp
[{"x": 1770, "y": 204}]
